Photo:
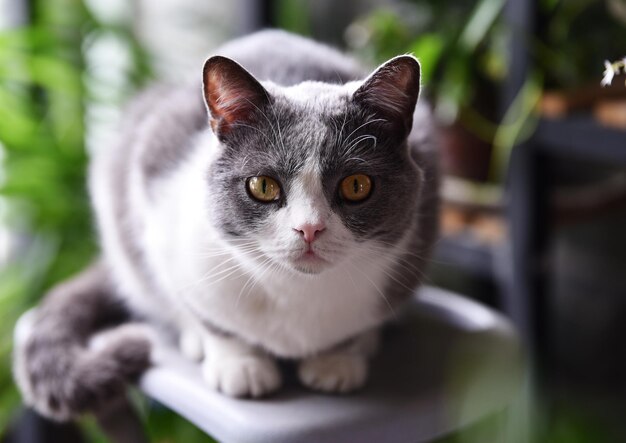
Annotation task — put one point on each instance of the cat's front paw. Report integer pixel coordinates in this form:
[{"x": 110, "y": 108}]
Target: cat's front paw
[
  {"x": 334, "y": 372},
  {"x": 242, "y": 375}
]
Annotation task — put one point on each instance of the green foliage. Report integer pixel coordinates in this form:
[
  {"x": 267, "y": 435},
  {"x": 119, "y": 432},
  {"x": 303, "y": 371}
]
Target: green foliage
[
  {"x": 566, "y": 428},
  {"x": 429, "y": 47},
  {"x": 463, "y": 44},
  {"x": 161, "y": 425},
  {"x": 464, "y": 56},
  {"x": 165, "y": 426},
  {"x": 457, "y": 44},
  {"x": 599, "y": 28},
  {"x": 43, "y": 199},
  {"x": 573, "y": 427},
  {"x": 41, "y": 132},
  {"x": 292, "y": 15}
]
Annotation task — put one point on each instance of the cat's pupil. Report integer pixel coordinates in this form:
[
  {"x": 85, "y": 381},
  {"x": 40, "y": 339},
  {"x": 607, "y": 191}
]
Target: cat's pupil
[
  {"x": 264, "y": 186},
  {"x": 356, "y": 186}
]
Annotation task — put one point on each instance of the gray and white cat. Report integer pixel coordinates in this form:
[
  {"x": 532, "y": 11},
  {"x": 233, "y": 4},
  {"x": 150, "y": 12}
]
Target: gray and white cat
[{"x": 291, "y": 220}]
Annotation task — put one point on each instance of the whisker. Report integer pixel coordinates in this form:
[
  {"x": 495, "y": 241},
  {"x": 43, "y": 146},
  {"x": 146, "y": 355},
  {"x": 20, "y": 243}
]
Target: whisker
[
  {"x": 361, "y": 138},
  {"x": 339, "y": 138},
  {"x": 260, "y": 277},
  {"x": 208, "y": 275},
  {"x": 218, "y": 253},
  {"x": 251, "y": 278},
  {"x": 361, "y": 126}
]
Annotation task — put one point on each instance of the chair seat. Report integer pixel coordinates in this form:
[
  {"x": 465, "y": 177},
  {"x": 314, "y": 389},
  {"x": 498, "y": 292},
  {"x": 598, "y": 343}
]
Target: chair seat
[{"x": 445, "y": 364}]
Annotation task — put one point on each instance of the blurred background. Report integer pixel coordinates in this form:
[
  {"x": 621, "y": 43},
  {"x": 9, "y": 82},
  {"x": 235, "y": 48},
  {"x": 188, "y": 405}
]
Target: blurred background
[{"x": 533, "y": 155}]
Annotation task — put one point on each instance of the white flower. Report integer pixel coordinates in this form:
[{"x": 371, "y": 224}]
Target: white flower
[{"x": 609, "y": 72}]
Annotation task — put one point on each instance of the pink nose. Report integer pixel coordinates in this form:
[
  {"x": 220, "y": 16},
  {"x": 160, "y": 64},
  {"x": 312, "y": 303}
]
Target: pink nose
[{"x": 310, "y": 231}]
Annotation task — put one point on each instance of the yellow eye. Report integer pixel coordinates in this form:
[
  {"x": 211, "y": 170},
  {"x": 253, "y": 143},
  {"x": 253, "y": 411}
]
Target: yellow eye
[
  {"x": 263, "y": 188},
  {"x": 356, "y": 187}
]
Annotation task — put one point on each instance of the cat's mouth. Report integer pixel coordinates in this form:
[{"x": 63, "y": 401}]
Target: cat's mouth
[{"x": 310, "y": 262}]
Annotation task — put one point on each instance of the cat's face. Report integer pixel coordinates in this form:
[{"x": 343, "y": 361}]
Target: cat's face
[{"x": 316, "y": 174}]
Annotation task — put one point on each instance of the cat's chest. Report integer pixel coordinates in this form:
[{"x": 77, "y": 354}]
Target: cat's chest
[{"x": 293, "y": 317}]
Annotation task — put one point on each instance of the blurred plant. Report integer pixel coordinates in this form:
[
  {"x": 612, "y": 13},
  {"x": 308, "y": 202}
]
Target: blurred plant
[
  {"x": 41, "y": 133},
  {"x": 568, "y": 62},
  {"x": 458, "y": 44},
  {"x": 44, "y": 209},
  {"x": 465, "y": 58},
  {"x": 293, "y": 16}
]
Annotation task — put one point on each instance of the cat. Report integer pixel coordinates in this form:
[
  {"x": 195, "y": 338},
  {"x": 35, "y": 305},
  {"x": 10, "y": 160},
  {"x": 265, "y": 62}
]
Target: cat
[{"x": 284, "y": 208}]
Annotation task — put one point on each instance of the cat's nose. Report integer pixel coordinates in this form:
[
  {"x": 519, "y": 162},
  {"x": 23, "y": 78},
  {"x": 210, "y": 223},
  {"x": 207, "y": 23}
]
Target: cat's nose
[{"x": 310, "y": 231}]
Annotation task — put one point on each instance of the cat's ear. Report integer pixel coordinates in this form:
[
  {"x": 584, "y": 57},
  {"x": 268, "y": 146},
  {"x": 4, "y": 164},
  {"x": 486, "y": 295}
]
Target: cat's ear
[
  {"x": 392, "y": 90},
  {"x": 231, "y": 93}
]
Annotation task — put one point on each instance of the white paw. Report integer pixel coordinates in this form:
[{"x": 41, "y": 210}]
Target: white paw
[
  {"x": 242, "y": 375},
  {"x": 335, "y": 372},
  {"x": 190, "y": 345}
]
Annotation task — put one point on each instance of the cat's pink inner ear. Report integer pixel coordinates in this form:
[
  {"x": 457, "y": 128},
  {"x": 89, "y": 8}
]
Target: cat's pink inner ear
[
  {"x": 392, "y": 90},
  {"x": 231, "y": 93}
]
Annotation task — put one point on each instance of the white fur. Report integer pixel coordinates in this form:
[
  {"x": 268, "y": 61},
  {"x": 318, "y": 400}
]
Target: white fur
[
  {"x": 237, "y": 369},
  {"x": 340, "y": 370},
  {"x": 334, "y": 371}
]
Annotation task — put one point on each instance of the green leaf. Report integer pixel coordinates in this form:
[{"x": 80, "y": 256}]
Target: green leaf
[
  {"x": 428, "y": 49},
  {"x": 479, "y": 23}
]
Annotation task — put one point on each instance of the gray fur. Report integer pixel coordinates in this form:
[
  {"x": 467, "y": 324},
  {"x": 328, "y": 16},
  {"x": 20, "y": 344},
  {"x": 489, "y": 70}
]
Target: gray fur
[{"x": 55, "y": 371}]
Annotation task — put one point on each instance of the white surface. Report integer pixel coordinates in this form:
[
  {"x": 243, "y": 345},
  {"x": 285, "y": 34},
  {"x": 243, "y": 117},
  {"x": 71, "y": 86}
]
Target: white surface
[{"x": 447, "y": 363}]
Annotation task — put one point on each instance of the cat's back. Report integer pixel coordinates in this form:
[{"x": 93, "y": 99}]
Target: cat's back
[{"x": 288, "y": 59}]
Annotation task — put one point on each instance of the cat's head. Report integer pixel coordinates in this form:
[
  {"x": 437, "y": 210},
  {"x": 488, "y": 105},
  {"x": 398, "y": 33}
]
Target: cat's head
[{"x": 316, "y": 174}]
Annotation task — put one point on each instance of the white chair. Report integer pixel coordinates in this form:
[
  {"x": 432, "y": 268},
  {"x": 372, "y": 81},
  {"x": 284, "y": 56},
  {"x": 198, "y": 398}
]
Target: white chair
[{"x": 446, "y": 364}]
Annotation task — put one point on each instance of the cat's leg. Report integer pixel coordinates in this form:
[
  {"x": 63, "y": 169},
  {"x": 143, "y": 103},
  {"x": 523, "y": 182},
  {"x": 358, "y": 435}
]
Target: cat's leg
[
  {"x": 58, "y": 372},
  {"x": 237, "y": 369},
  {"x": 340, "y": 369}
]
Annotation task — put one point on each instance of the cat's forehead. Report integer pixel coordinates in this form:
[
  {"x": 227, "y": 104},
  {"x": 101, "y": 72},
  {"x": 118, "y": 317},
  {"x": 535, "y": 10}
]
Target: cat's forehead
[
  {"x": 298, "y": 123},
  {"x": 309, "y": 123}
]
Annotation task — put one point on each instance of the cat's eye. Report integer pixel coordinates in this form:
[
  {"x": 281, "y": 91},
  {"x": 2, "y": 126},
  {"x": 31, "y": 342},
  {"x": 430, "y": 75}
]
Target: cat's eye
[
  {"x": 356, "y": 187},
  {"x": 263, "y": 188}
]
